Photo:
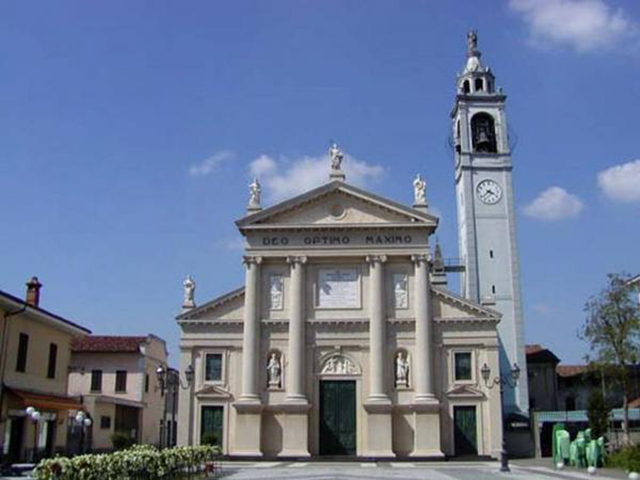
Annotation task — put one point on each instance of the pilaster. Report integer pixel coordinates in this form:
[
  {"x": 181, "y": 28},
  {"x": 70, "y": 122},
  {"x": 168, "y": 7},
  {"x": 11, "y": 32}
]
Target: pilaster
[
  {"x": 249, "y": 406},
  {"x": 378, "y": 404}
]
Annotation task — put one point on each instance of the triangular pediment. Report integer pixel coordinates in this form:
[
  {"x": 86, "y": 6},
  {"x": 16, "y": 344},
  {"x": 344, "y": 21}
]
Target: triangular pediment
[
  {"x": 448, "y": 306},
  {"x": 465, "y": 392},
  {"x": 340, "y": 204},
  {"x": 213, "y": 391}
]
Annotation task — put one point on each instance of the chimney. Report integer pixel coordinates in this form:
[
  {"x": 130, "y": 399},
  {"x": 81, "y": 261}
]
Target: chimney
[{"x": 33, "y": 291}]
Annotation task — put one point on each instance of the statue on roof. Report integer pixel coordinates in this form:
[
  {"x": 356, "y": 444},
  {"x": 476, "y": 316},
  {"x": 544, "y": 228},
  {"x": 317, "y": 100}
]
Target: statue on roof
[
  {"x": 336, "y": 156},
  {"x": 189, "y": 287},
  {"x": 254, "y": 193},
  {"x": 419, "y": 191}
]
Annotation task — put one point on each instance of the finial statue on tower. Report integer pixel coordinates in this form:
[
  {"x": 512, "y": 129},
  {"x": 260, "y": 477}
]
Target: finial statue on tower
[
  {"x": 419, "y": 191},
  {"x": 254, "y": 194},
  {"x": 472, "y": 42}
]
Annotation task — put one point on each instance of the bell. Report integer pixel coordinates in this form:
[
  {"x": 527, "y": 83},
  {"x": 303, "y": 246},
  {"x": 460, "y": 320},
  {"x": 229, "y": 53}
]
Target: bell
[{"x": 483, "y": 143}]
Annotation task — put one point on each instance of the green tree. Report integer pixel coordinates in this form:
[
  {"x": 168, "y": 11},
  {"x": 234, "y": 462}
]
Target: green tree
[
  {"x": 597, "y": 413},
  {"x": 612, "y": 329}
]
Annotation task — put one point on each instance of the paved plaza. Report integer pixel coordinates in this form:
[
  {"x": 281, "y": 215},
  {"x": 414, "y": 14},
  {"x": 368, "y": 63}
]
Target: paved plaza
[{"x": 399, "y": 470}]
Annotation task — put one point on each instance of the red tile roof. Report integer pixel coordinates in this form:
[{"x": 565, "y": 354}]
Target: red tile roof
[
  {"x": 531, "y": 349},
  {"x": 107, "y": 343},
  {"x": 571, "y": 370}
]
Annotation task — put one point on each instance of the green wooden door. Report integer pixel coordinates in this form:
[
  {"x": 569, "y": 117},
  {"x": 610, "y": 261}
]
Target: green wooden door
[
  {"x": 338, "y": 418},
  {"x": 464, "y": 420},
  {"x": 211, "y": 426}
]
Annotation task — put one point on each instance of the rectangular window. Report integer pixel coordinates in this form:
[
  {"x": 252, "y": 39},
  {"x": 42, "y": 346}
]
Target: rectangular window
[
  {"x": 96, "y": 380},
  {"x": 53, "y": 357},
  {"x": 105, "y": 422},
  {"x": 146, "y": 383},
  {"x": 490, "y": 253},
  {"x": 462, "y": 365},
  {"x": 23, "y": 347},
  {"x": 121, "y": 380},
  {"x": 213, "y": 368}
]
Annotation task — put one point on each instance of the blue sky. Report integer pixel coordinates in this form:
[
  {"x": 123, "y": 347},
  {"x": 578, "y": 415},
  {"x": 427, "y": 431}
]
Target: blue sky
[{"x": 130, "y": 130}]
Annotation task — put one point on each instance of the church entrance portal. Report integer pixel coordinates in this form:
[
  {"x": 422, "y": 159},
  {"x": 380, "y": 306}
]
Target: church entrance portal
[{"x": 337, "y": 417}]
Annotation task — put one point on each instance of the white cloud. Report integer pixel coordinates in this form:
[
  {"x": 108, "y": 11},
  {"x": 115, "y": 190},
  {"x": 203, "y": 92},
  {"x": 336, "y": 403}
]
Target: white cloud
[
  {"x": 622, "y": 182},
  {"x": 208, "y": 165},
  {"x": 282, "y": 179},
  {"x": 585, "y": 25},
  {"x": 554, "y": 203}
]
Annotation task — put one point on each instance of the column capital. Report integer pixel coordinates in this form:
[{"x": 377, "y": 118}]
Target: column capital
[
  {"x": 371, "y": 259},
  {"x": 248, "y": 260},
  {"x": 420, "y": 258},
  {"x": 297, "y": 260}
]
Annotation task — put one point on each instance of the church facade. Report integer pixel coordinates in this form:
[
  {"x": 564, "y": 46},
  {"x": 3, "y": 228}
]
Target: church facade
[{"x": 344, "y": 339}]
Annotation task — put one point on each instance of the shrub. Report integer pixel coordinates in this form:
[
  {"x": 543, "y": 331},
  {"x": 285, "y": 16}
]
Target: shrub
[
  {"x": 209, "y": 438},
  {"x": 627, "y": 458},
  {"x": 121, "y": 440},
  {"x": 138, "y": 462}
]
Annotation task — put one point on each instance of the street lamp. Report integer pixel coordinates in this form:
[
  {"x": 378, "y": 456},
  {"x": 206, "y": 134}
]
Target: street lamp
[
  {"x": 35, "y": 417},
  {"x": 169, "y": 379},
  {"x": 503, "y": 381},
  {"x": 83, "y": 421}
]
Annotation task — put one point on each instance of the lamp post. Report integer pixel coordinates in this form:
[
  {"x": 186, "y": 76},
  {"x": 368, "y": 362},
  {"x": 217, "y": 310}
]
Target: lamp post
[
  {"x": 83, "y": 421},
  {"x": 169, "y": 380},
  {"x": 503, "y": 380},
  {"x": 35, "y": 417}
]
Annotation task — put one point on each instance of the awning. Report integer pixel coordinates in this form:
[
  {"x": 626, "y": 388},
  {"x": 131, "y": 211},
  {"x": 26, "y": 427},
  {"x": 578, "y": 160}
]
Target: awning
[
  {"x": 46, "y": 401},
  {"x": 581, "y": 416}
]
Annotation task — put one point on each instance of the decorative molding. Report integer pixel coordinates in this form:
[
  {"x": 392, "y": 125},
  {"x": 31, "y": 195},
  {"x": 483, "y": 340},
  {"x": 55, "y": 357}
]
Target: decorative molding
[
  {"x": 373, "y": 259},
  {"x": 465, "y": 392},
  {"x": 420, "y": 258},
  {"x": 251, "y": 259},
  {"x": 338, "y": 364},
  {"x": 294, "y": 260}
]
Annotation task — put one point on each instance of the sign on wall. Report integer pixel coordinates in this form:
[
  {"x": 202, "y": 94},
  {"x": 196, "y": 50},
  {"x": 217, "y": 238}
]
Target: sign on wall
[{"x": 338, "y": 288}]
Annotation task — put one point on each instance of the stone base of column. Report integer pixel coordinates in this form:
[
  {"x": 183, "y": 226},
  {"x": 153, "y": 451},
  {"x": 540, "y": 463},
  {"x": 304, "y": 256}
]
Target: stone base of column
[
  {"x": 379, "y": 428},
  {"x": 295, "y": 438},
  {"x": 248, "y": 428},
  {"x": 426, "y": 428}
]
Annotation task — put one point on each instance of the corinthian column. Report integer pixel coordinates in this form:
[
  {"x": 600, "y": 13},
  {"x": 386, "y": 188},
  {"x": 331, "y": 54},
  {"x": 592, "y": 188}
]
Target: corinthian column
[
  {"x": 423, "y": 370},
  {"x": 295, "y": 378},
  {"x": 377, "y": 330},
  {"x": 251, "y": 333}
]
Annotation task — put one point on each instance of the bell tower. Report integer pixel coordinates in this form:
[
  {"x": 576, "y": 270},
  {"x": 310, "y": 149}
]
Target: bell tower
[{"x": 486, "y": 218}]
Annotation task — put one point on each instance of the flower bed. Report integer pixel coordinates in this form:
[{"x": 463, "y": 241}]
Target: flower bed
[{"x": 138, "y": 462}]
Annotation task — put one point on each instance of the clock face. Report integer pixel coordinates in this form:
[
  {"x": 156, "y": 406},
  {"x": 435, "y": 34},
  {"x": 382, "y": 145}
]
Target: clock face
[{"x": 489, "y": 191}]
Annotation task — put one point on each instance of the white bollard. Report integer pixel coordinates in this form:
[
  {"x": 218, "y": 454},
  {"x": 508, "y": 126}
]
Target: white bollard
[
  {"x": 560, "y": 465},
  {"x": 634, "y": 476},
  {"x": 591, "y": 470}
]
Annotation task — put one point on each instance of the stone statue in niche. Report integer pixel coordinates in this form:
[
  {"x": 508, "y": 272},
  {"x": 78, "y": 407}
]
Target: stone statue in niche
[
  {"x": 274, "y": 371},
  {"x": 276, "y": 292},
  {"x": 189, "y": 288},
  {"x": 419, "y": 191},
  {"x": 402, "y": 370},
  {"x": 336, "y": 157},
  {"x": 254, "y": 193},
  {"x": 400, "y": 290}
]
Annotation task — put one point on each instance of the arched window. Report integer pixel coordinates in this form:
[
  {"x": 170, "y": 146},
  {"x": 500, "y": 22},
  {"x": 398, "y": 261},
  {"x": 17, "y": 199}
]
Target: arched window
[
  {"x": 479, "y": 85},
  {"x": 466, "y": 86},
  {"x": 484, "y": 133}
]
